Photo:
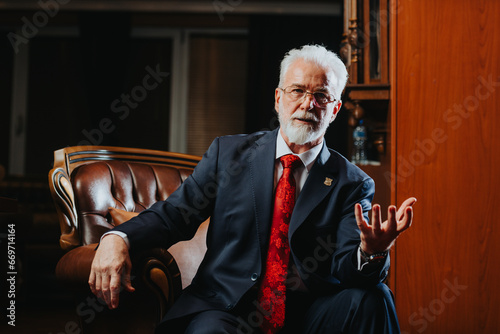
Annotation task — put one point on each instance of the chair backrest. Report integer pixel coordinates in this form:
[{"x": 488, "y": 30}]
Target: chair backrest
[{"x": 87, "y": 180}]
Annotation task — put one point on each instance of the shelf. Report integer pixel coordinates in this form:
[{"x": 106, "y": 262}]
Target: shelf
[{"x": 368, "y": 92}]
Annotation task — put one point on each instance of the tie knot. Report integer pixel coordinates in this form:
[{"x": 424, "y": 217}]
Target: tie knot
[{"x": 290, "y": 161}]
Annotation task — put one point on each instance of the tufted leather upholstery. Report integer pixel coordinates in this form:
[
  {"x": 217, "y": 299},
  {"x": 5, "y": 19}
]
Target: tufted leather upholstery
[
  {"x": 85, "y": 182},
  {"x": 124, "y": 185}
]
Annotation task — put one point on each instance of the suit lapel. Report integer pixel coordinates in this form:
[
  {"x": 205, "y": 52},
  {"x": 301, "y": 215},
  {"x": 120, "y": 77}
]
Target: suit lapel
[
  {"x": 319, "y": 183},
  {"x": 262, "y": 180}
]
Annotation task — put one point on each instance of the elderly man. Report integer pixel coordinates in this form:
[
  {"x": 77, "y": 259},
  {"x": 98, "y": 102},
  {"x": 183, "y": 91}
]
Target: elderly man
[{"x": 290, "y": 249}]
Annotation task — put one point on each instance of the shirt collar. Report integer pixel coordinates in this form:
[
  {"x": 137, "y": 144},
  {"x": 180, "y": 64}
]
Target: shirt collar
[{"x": 308, "y": 157}]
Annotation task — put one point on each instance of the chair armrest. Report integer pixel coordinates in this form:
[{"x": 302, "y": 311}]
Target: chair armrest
[
  {"x": 160, "y": 273},
  {"x": 64, "y": 199},
  {"x": 74, "y": 267}
]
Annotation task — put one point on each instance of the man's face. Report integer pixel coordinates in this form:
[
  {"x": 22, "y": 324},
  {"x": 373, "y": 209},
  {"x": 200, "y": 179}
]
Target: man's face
[{"x": 302, "y": 121}]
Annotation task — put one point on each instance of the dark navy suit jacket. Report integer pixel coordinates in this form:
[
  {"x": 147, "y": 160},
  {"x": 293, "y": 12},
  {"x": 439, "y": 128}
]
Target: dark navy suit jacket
[{"x": 233, "y": 184}]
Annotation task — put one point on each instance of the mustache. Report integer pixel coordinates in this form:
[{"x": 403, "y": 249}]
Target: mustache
[{"x": 305, "y": 115}]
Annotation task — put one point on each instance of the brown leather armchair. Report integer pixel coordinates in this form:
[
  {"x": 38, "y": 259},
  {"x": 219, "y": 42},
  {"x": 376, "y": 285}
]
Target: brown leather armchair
[{"x": 96, "y": 188}]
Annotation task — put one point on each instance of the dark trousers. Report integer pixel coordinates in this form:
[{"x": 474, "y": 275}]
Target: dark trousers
[{"x": 353, "y": 310}]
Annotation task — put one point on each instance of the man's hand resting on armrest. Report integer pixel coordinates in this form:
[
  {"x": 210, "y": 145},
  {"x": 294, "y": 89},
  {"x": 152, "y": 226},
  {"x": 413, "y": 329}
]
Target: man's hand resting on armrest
[{"x": 110, "y": 269}]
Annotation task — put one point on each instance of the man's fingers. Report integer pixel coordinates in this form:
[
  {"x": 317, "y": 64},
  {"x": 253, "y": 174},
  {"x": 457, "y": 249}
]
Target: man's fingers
[
  {"x": 379, "y": 236},
  {"x": 392, "y": 223},
  {"x": 376, "y": 218},
  {"x": 407, "y": 203},
  {"x": 127, "y": 284},
  {"x": 108, "y": 287},
  {"x": 114, "y": 290},
  {"x": 105, "y": 288},
  {"x": 126, "y": 278},
  {"x": 92, "y": 281},
  {"x": 358, "y": 213},
  {"x": 98, "y": 286},
  {"x": 407, "y": 220}
]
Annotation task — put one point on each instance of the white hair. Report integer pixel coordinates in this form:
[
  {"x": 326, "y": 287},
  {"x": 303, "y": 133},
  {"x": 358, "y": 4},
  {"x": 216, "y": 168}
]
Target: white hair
[{"x": 321, "y": 56}]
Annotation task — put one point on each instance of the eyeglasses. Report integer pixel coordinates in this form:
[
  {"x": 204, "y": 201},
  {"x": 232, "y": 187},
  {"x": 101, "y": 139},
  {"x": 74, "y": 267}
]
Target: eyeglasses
[{"x": 321, "y": 99}]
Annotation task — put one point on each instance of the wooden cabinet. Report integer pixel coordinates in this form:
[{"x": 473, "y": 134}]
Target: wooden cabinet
[{"x": 443, "y": 148}]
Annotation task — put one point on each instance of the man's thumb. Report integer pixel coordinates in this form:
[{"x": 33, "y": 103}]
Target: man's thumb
[{"x": 127, "y": 283}]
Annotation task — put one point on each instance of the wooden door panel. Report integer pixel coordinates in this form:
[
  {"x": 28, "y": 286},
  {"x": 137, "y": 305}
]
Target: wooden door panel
[{"x": 447, "y": 153}]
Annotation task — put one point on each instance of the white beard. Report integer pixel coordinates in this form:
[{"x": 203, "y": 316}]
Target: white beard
[{"x": 301, "y": 134}]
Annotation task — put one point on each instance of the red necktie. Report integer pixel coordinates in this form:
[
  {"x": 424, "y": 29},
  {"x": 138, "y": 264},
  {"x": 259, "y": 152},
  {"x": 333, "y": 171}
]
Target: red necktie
[{"x": 273, "y": 289}]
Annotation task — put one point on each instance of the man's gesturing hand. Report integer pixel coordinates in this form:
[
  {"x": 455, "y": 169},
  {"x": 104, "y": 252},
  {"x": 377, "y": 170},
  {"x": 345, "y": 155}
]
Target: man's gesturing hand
[
  {"x": 379, "y": 237},
  {"x": 111, "y": 264}
]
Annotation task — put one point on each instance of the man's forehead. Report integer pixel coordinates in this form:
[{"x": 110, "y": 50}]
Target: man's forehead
[{"x": 309, "y": 74}]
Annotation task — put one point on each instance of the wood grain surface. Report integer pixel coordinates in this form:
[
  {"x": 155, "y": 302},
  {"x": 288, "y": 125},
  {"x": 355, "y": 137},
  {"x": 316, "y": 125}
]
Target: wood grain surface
[{"x": 445, "y": 75}]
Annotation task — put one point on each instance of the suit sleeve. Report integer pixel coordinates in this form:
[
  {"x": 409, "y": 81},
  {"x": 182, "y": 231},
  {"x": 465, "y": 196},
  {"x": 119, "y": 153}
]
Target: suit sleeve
[
  {"x": 179, "y": 216},
  {"x": 345, "y": 261}
]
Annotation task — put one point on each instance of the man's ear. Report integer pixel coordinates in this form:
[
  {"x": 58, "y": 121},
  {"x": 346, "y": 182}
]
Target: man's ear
[
  {"x": 277, "y": 97},
  {"x": 336, "y": 110}
]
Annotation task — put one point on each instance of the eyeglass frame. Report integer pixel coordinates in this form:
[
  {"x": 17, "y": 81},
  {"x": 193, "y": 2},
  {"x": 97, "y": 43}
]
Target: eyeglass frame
[{"x": 316, "y": 103}]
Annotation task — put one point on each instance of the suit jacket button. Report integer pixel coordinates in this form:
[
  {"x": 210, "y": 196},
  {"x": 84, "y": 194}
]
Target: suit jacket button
[
  {"x": 229, "y": 306},
  {"x": 254, "y": 277}
]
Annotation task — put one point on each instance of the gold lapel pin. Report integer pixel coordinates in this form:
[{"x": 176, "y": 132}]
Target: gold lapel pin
[{"x": 328, "y": 181}]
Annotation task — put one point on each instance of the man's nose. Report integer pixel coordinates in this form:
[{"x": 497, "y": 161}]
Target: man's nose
[{"x": 308, "y": 102}]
